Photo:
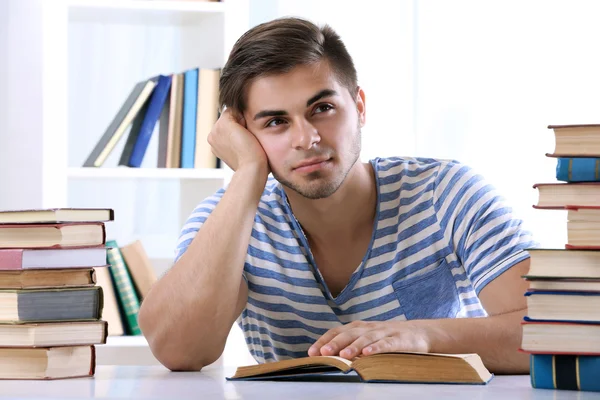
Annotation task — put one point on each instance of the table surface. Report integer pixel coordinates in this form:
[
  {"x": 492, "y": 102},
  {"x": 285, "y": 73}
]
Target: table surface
[{"x": 153, "y": 382}]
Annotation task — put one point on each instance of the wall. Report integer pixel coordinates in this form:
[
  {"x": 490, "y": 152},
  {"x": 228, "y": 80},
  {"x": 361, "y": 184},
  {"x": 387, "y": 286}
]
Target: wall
[{"x": 20, "y": 104}]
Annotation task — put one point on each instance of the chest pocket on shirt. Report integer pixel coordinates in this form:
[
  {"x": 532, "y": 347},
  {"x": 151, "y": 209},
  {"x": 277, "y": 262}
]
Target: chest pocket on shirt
[{"x": 430, "y": 295}]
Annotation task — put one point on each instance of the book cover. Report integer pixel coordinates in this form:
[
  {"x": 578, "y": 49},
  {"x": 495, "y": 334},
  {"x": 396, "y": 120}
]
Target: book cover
[
  {"x": 565, "y": 372},
  {"x": 155, "y": 106},
  {"x": 578, "y": 169},
  {"x": 400, "y": 367},
  {"x": 188, "y": 132},
  {"x": 124, "y": 117},
  {"x": 208, "y": 105},
  {"x": 56, "y": 215},
  {"x": 51, "y": 305},
  {"x": 125, "y": 289}
]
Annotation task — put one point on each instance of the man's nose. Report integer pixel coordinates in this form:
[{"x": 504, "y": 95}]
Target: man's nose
[{"x": 304, "y": 135}]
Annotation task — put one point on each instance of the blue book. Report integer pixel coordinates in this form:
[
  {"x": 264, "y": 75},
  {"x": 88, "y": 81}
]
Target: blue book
[
  {"x": 155, "y": 106},
  {"x": 566, "y": 372},
  {"x": 190, "y": 107},
  {"x": 578, "y": 169}
]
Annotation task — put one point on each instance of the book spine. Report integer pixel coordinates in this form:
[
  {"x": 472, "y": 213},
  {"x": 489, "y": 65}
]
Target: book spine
[
  {"x": 124, "y": 287},
  {"x": 155, "y": 106},
  {"x": 565, "y": 372},
  {"x": 188, "y": 132},
  {"x": 577, "y": 169}
]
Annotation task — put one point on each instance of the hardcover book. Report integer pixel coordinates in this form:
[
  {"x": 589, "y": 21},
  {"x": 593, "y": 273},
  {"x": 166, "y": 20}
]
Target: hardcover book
[{"x": 388, "y": 367}]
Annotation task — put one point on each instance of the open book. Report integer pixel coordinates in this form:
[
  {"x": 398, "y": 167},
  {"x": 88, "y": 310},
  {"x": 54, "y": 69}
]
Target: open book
[{"x": 387, "y": 367}]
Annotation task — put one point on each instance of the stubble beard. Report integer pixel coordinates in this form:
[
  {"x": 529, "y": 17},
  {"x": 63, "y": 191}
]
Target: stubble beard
[{"x": 318, "y": 186}]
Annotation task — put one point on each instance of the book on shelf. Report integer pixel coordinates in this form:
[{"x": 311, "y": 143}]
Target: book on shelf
[
  {"x": 190, "y": 111},
  {"x": 53, "y": 334},
  {"x": 184, "y": 107},
  {"x": 169, "y": 139},
  {"x": 208, "y": 101},
  {"x": 140, "y": 267},
  {"x": 581, "y": 140},
  {"x": 21, "y": 259},
  {"x": 122, "y": 120},
  {"x": 47, "y": 278},
  {"x": 563, "y": 306},
  {"x": 111, "y": 312},
  {"x": 61, "y": 235},
  {"x": 559, "y": 195},
  {"x": 50, "y": 305},
  {"x": 47, "y": 363},
  {"x": 151, "y": 117},
  {"x": 561, "y": 337},
  {"x": 56, "y": 215},
  {"x": 388, "y": 367},
  {"x": 126, "y": 295},
  {"x": 565, "y": 372}
]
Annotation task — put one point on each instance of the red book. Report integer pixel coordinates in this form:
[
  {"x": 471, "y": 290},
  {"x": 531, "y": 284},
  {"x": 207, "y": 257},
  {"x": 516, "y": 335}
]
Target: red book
[{"x": 20, "y": 259}]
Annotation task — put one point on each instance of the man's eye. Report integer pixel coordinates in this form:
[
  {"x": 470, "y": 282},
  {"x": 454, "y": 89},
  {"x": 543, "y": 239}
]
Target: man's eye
[
  {"x": 322, "y": 108},
  {"x": 275, "y": 122}
]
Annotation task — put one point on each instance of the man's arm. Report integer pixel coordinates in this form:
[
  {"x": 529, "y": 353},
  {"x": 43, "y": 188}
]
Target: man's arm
[
  {"x": 188, "y": 313},
  {"x": 495, "y": 338}
]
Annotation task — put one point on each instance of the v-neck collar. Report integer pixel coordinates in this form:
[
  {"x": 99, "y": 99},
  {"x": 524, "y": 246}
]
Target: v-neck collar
[{"x": 343, "y": 296}]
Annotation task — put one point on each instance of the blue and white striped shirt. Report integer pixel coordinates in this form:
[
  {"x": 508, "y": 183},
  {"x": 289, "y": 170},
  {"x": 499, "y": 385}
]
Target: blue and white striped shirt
[{"x": 441, "y": 235}]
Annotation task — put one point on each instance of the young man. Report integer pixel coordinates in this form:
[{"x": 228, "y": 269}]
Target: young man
[{"x": 333, "y": 256}]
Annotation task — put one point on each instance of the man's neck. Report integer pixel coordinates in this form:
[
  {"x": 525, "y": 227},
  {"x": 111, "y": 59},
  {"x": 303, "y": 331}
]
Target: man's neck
[{"x": 340, "y": 216}]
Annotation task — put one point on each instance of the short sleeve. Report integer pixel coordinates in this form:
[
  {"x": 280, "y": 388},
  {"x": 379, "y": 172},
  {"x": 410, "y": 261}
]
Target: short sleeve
[
  {"x": 195, "y": 222},
  {"x": 479, "y": 225}
]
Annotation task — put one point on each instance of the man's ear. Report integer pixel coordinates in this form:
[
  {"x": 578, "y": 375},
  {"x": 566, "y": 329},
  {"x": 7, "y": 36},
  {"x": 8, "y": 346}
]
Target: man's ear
[{"x": 361, "y": 107}]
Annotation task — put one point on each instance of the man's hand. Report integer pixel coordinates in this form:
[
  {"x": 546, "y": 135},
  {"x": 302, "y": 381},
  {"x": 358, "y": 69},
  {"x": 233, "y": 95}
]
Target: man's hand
[
  {"x": 366, "y": 338},
  {"x": 234, "y": 144}
]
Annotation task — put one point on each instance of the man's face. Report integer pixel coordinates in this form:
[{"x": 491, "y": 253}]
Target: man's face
[{"x": 309, "y": 126}]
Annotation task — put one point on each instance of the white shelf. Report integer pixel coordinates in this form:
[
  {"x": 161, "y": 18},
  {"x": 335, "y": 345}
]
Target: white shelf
[
  {"x": 146, "y": 173},
  {"x": 142, "y": 11}
]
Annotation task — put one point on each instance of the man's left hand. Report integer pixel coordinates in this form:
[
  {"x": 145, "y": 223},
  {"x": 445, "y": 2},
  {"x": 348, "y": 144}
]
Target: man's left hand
[{"x": 366, "y": 338}]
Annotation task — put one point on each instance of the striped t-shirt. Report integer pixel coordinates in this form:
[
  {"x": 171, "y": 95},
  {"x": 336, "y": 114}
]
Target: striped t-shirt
[{"x": 441, "y": 234}]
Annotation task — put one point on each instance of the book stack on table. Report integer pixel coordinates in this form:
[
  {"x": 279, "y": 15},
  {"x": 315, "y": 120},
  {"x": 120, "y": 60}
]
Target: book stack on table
[
  {"x": 50, "y": 305},
  {"x": 562, "y": 327}
]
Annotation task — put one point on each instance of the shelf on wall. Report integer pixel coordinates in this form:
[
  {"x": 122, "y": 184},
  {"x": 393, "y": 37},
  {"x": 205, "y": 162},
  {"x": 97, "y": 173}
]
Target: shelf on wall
[
  {"x": 142, "y": 11},
  {"x": 146, "y": 173}
]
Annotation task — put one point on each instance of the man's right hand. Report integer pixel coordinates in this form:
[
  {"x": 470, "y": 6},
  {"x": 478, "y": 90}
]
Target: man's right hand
[{"x": 234, "y": 144}]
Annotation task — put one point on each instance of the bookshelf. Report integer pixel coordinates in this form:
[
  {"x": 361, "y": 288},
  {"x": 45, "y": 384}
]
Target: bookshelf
[
  {"x": 147, "y": 173},
  {"x": 82, "y": 58},
  {"x": 92, "y": 53}
]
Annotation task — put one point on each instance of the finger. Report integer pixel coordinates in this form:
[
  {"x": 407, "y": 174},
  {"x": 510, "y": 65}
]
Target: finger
[
  {"x": 341, "y": 341},
  {"x": 385, "y": 345},
  {"x": 315, "y": 349},
  {"x": 368, "y": 338}
]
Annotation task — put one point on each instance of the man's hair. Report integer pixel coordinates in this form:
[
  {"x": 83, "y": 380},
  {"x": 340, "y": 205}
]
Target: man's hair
[{"x": 276, "y": 47}]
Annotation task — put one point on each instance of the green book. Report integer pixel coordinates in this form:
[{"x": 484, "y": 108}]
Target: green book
[{"x": 127, "y": 296}]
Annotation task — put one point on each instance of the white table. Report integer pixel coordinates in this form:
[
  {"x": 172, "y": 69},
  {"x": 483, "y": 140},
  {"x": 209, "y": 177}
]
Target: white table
[{"x": 154, "y": 382}]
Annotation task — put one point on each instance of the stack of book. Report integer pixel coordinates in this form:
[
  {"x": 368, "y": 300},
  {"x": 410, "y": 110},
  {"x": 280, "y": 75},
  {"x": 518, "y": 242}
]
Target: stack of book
[
  {"x": 50, "y": 305},
  {"x": 562, "y": 327},
  {"x": 183, "y": 105}
]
